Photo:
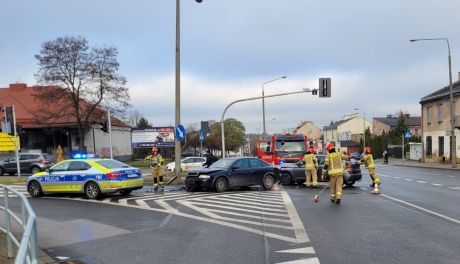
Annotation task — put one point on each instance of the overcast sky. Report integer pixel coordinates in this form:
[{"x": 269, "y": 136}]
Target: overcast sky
[{"x": 230, "y": 47}]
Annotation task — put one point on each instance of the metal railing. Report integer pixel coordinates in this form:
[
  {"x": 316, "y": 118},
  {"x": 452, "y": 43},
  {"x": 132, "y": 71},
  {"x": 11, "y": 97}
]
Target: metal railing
[{"x": 27, "y": 247}]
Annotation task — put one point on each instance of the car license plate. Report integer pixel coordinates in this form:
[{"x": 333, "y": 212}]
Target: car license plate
[{"x": 132, "y": 175}]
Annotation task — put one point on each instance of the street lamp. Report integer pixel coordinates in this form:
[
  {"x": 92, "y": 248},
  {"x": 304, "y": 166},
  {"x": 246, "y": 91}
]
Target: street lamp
[
  {"x": 364, "y": 127},
  {"x": 263, "y": 102},
  {"x": 453, "y": 149},
  {"x": 177, "y": 147}
]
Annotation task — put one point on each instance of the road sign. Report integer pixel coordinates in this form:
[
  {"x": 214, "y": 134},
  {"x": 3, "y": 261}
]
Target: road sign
[
  {"x": 407, "y": 134},
  {"x": 8, "y": 143},
  {"x": 324, "y": 87},
  {"x": 201, "y": 136},
  {"x": 180, "y": 132}
]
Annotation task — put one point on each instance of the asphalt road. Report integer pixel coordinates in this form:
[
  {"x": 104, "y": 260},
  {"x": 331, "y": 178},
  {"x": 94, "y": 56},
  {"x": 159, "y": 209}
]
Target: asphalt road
[{"x": 416, "y": 219}]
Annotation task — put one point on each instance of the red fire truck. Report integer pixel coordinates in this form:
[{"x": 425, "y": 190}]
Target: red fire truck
[{"x": 282, "y": 148}]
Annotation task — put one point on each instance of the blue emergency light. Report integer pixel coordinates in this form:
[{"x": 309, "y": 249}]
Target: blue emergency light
[{"x": 79, "y": 155}]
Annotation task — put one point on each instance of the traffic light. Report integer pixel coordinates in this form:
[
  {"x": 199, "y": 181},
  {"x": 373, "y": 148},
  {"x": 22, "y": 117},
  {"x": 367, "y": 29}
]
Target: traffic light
[
  {"x": 9, "y": 120},
  {"x": 104, "y": 127}
]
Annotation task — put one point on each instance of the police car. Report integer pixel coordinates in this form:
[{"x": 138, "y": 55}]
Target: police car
[{"x": 89, "y": 176}]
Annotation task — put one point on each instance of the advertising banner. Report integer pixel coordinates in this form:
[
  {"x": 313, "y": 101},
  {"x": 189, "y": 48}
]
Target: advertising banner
[{"x": 162, "y": 137}]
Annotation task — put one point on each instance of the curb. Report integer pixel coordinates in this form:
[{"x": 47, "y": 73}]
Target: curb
[{"x": 425, "y": 167}]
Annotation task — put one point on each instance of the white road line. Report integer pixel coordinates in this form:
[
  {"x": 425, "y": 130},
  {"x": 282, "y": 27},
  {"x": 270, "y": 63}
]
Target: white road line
[
  {"x": 254, "y": 198},
  {"x": 239, "y": 209},
  {"x": 302, "y": 261},
  {"x": 437, "y": 184},
  {"x": 260, "y": 195},
  {"x": 251, "y": 216},
  {"x": 299, "y": 229},
  {"x": 307, "y": 250},
  {"x": 204, "y": 211},
  {"x": 189, "y": 197},
  {"x": 454, "y": 188},
  {"x": 165, "y": 197},
  {"x": 236, "y": 201},
  {"x": 408, "y": 180},
  {"x": 165, "y": 205},
  {"x": 423, "y": 209},
  {"x": 396, "y": 177},
  {"x": 427, "y": 173},
  {"x": 239, "y": 205},
  {"x": 451, "y": 176},
  {"x": 421, "y": 181}
]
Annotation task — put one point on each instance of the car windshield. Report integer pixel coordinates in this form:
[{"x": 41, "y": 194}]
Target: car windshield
[
  {"x": 222, "y": 164},
  {"x": 112, "y": 164},
  {"x": 289, "y": 148}
]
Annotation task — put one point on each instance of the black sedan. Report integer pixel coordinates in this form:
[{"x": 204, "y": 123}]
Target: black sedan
[
  {"x": 295, "y": 172},
  {"x": 233, "y": 172}
]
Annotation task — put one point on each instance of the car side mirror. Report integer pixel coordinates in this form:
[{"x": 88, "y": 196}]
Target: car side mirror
[{"x": 48, "y": 170}]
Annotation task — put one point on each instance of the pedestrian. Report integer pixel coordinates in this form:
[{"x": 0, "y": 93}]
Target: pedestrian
[
  {"x": 311, "y": 166},
  {"x": 156, "y": 164},
  {"x": 368, "y": 160},
  {"x": 210, "y": 159},
  {"x": 385, "y": 157},
  {"x": 333, "y": 166}
]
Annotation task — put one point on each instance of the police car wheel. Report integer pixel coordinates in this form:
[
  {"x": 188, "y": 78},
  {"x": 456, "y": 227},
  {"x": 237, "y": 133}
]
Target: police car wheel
[
  {"x": 268, "y": 183},
  {"x": 34, "y": 189},
  {"x": 92, "y": 190}
]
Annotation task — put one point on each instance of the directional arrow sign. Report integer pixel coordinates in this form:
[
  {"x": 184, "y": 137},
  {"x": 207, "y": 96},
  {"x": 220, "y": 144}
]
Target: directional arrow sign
[
  {"x": 201, "y": 136},
  {"x": 180, "y": 132}
]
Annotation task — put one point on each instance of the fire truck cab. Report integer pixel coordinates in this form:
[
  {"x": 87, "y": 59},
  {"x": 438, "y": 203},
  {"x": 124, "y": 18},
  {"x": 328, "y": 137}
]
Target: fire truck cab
[{"x": 282, "y": 148}]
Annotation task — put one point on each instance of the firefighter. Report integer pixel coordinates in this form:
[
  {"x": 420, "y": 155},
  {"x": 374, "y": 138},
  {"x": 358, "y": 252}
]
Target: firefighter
[
  {"x": 333, "y": 166},
  {"x": 311, "y": 165},
  {"x": 156, "y": 164},
  {"x": 369, "y": 162}
]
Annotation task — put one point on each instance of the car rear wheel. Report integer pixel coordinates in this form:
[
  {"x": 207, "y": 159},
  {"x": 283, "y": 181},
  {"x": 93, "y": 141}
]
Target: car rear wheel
[
  {"x": 92, "y": 190},
  {"x": 34, "y": 170},
  {"x": 34, "y": 189},
  {"x": 350, "y": 183},
  {"x": 268, "y": 183},
  {"x": 125, "y": 192},
  {"x": 220, "y": 185},
  {"x": 286, "y": 178},
  {"x": 2, "y": 171}
]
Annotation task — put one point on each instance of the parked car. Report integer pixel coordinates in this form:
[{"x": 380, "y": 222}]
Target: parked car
[
  {"x": 187, "y": 164},
  {"x": 89, "y": 176},
  {"x": 228, "y": 173},
  {"x": 29, "y": 162},
  {"x": 295, "y": 172}
]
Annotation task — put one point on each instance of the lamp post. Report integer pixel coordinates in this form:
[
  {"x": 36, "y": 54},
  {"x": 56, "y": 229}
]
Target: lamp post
[
  {"x": 264, "y": 134},
  {"x": 177, "y": 147},
  {"x": 453, "y": 149},
  {"x": 364, "y": 127}
]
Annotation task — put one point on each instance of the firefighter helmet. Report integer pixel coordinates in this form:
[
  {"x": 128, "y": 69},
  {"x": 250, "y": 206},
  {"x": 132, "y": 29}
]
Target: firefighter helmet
[
  {"x": 154, "y": 150},
  {"x": 329, "y": 147},
  {"x": 368, "y": 149},
  {"x": 312, "y": 150}
]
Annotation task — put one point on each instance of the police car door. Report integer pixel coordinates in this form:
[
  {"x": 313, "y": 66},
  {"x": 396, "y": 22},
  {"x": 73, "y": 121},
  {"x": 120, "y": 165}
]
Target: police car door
[
  {"x": 78, "y": 173},
  {"x": 53, "y": 181}
]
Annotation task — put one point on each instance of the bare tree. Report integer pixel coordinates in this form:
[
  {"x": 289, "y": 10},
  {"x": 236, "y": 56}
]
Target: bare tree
[
  {"x": 78, "y": 82},
  {"x": 133, "y": 117}
]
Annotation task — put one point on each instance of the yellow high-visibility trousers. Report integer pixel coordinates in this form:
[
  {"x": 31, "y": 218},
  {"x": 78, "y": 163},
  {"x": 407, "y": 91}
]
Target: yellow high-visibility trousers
[
  {"x": 157, "y": 174},
  {"x": 336, "y": 183},
  {"x": 311, "y": 175},
  {"x": 374, "y": 177}
]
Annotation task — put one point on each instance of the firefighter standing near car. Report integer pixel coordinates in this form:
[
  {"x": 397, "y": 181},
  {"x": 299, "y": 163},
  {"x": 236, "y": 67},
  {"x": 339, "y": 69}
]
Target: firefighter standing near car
[
  {"x": 156, "y": 164},
  {"x": 333, "y": 166},
  {"x": 311, "y": 165},
  {"x": 368, "y": 160}
]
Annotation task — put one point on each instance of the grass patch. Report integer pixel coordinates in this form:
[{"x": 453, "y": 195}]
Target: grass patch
[
  {"x": 12, "y": 180},
  {"x": 138, "y": 164}
]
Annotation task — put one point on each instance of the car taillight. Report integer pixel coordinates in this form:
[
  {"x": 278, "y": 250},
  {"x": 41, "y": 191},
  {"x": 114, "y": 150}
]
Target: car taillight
[
  {"x": 113, "y": 175},
  {"x": 348, "y": 166}
]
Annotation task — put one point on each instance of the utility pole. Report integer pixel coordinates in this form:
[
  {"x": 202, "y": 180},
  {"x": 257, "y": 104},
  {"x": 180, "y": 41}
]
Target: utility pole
[
  {"x": 16, "y": 144},
  {"x": 109, "y": 120}
]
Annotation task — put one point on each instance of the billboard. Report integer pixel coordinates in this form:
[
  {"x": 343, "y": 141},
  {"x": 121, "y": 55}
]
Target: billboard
[
  {"x": 7, "y": 142},
  {"x": 162, "y": 137}
]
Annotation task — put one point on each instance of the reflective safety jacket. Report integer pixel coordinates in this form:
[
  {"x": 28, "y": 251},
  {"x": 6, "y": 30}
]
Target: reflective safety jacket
[
  {"x": 369, "y": 161},
  {"x": 334, "y": 163},
  {"x": 311, "y": 162},
  {"x": 156, "y": 161}
]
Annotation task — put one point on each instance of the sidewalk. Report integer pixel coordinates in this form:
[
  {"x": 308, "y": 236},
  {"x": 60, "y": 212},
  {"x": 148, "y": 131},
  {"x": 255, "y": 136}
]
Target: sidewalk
[
  {"x": 44, "y": 258},
  {"x": 411, "y": 163}
]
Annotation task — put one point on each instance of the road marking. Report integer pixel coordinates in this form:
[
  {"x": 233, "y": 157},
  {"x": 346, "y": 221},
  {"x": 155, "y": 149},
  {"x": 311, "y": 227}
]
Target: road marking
[
  {"x": 253, "y": 198},
  {"x": 243, "y": 202},
  {"x": 396, "y": 177},
  {"x": 240, "y": 205},
  {"x": 454, "y": 188},
  {"x": 238, "y": 209},
  {"x": 423, "y": 209},
  {"x": 302, "y": 261},
  {"x": 408, "y": 180},
  {"x": 307, "y": 250},
  {"x": 299, "y": 229},
  {"x": 421, "y": 181},
  {"x": 437, "y": 184},
  {"x": 251, "y": 216},
  {"x": 427, "y": 173}
]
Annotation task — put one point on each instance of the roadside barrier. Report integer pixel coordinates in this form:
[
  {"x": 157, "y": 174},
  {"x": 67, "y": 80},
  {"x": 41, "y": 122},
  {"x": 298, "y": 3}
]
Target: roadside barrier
[{"x": 27, "y": 246}]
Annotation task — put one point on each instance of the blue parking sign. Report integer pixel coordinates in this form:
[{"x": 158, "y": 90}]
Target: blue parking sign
[{"x": 407, "y": 134}]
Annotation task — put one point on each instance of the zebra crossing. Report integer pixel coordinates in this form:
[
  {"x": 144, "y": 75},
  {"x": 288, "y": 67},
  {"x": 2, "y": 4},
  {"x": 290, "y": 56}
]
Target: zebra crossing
[{"x": 19, "y": 188}]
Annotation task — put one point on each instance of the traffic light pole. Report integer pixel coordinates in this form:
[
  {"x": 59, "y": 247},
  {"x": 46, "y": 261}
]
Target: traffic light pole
[
  {"x": 109, "y": 120},
  {"x": 16, "y": 144},
  {"x": 306, "y": 90}
]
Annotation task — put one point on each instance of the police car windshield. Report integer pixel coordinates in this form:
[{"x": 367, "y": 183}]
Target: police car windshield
[{"x": 112, "y": 164}]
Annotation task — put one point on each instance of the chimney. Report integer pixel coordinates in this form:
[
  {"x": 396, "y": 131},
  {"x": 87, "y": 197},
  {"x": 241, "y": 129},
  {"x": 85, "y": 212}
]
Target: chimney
[{"x": 18, "y": 86}]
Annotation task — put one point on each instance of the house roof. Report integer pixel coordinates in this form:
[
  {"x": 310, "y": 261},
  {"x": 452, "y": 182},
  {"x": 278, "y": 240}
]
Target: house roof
[
  {"x": 392, "y": 122},
  {"x": 442, "y": 93},
  {"x": 336, "y": 124},
  {"x": 26, "y": 106}
]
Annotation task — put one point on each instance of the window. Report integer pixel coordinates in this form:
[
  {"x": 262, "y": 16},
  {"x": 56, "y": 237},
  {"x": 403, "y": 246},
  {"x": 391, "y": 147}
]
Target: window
[
  {"x": 112, "y": 164},
  {"x": 78, "y": 166},
  {"x": 61, "y": 166},
  {"x": 428, "y": 146},
  {"x": 428, "y": 115},
  {"x": 256, "y": 163},
  {"x": 242, "y": 164},
  {"x": 441, "y": 146},
  {"x": 440, "y": 112}
]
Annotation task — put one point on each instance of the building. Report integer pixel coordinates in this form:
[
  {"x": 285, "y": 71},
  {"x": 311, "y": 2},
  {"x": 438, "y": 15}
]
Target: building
[
  {"x": 46, "y": 135},
  {"x": 309, "y": 129},
  {"x": 436, "y": 126},
  {"x": 346, "y": 134},
  {"x": 385, "y": 124}
]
